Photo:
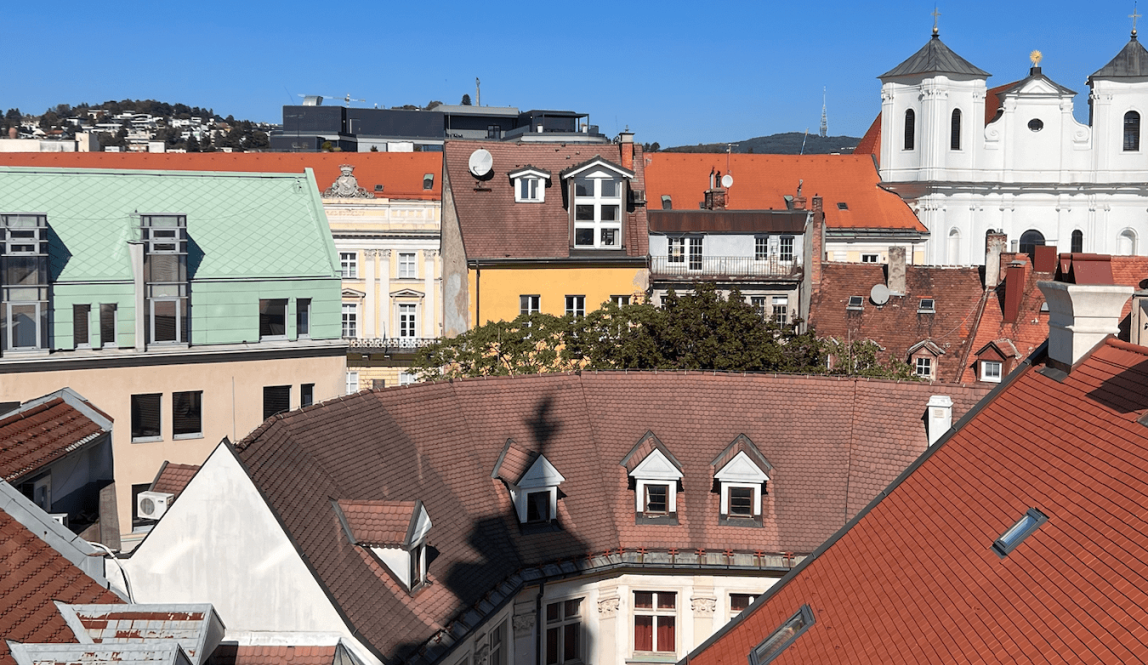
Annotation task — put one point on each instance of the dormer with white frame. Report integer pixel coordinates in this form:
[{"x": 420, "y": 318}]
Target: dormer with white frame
[
  {"x": 532, "y": 482},
  {"x": 655, "y": 476},
  {"x": 395, "y": 532},
  {"x": 530, "y": 184},
  {"x": 598, "y": 199},
  {"x": 740, "y": 475}
]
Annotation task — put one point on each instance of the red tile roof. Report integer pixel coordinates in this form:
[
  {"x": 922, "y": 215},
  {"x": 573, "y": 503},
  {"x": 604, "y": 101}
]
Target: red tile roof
[
  {"x": 915, "y": 578},
  {"x": 495, "y": 227},
  {"x": 379, "y": 523},
  {"x": 232, "y": 654},
  {"x": 400, "y": 173},
  {"x": 897, "y": 326},
  {"x": 440, "y": 442},
  {"x": 33, "y": 438},
  {"x": 870, "y": 144},
  {"x": 172, "y": 478},
  {"x": 32, "y": 576},
  {"x": 761, "y": 182},
  {"x": 514, "y": 463}
]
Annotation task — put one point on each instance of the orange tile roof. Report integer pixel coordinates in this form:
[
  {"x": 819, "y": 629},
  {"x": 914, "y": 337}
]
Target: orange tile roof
[
  {"x": 233, "y": 654},
  {"x": 400, "y": 173},
  {"x": 761, "y": 182},
  {"x": 915, "y": 577},
  {"x": 871, "y": 143}
]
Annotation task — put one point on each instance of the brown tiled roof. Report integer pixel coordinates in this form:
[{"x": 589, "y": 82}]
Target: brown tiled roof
[
  {"x": 742, "y": 444},
  {"x": 832, "y": 443},
  {"x": 728, "y": 221},
  {"x": 495, "y": 227},
  {"x": 232, "y": 654},
  {"x": 646, "y": 445},
  {"x": 172, "y": 478},
  {"x": 33, "y": 438},
  {"x": 32, "y": 576},
  {"x": 915, "y": 578},
  {"x": 379, "y": 523},
  {"x": 897, "y": 326},
  {"x": 513, "y": 463}
]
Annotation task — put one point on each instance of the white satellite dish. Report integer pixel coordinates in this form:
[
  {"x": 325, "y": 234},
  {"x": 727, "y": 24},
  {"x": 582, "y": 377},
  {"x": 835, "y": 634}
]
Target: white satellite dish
[
  {"x": 480, "y": 162},
  {"x": 879, "y": 294},
  {"x": 727, "y": 180}
]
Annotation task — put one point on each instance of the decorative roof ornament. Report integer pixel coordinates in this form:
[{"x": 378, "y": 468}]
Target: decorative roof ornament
[
  {"x": 346, "y": 186},
  {"x": 1035, "y": 57},
  {"x": 936, "y": 15},
  {"x": 1134, "y": 15}
]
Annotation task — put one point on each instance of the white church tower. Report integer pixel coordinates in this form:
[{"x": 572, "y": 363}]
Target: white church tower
[{"x": 1013, "y": 158}]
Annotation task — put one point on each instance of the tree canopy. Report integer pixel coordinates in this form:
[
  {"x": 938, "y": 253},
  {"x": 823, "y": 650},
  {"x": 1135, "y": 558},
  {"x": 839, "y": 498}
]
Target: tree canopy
[{"x": 698, "y": 330}]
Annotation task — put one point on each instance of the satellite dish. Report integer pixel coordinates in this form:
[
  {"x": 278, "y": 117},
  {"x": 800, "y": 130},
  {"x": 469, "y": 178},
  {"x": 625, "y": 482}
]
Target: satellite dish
[
  {"x": 480, "y": 162},
  {"x": 879, "y": 294},
  {"x": 727, "y": 180}
]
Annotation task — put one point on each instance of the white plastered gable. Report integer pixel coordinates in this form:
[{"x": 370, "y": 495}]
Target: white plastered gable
[
  {"x": 541, "y": 476},
  {"x": 656, "y": 469},
  {"x": 741, "y": 469}
]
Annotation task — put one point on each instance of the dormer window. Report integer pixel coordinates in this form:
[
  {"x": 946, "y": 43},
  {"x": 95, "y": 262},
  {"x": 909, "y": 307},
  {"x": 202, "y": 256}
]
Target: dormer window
[
  {"x": 597, "y": 200},
  {"x": 395, "y": 532},
  {"x": 655, "y": 475},
  {"x": 740, "y": 475},
  {"x": 24, "y": 292},
  {"x": 529, "y": 184},
  {"x": 532, "y": 482},
  {"x": 924, "y": 358}
]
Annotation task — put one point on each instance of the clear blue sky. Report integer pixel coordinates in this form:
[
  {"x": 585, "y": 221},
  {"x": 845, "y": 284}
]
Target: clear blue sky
[{"x": 675, "y": 72}]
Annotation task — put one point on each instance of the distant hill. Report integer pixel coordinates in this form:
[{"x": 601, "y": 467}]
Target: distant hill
[{"x": 788, "y": 143}]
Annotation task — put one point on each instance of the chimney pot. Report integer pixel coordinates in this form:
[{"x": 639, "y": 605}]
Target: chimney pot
[
  {"x": 896, "y": 278},
  {"x": 995, "y": 243},
  {"x": 1080, "y": 316},
  {"x": 940, "y": 417}
]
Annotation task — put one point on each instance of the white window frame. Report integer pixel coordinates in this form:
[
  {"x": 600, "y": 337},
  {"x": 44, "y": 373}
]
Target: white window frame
[
  {"x": 349, "y": 265},
  {"x": 656, "y": 613},
  {"x": 758, "y": 303},
  {"x": 927, "y": 365},
  {"x": 408, "y": 265},
  {"x": 785, "y": 251},
  {"x": 597, "y": 201},
  {"x": 350, "y": 319},
  {"x": 560, "y": 625},
  {"x": 37, "y": 318},
  {"x": 732, "y": 611},
  {"x": 761, "y": 248},
  {"x": 179, "y": 328},
  {"x": 870, "y": 258},
  {"x": 620, "y": 301},
  {"x": 407, "y": 378},
  {"x": 576, "y": 305},
  {"x": 987, "y": 376},
  {"x": 676, "y": 249},
  {"x": 726, "y": 486},
  {"x": 351, "y": 386},
  {"x": 533, "y": 304},
  {"x": 407, "y": 329},
  {"x": 535, "y": 186},
  {"x": 782, "y": 316}
]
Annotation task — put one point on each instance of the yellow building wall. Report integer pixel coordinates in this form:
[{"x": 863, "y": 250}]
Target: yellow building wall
[{"x": 494, "y": 291}]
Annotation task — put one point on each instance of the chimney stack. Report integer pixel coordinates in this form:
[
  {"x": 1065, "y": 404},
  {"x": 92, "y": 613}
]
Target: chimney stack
[
  {"x": 817, "y": 243},
  {"x": 940, "y": 417},
  {"x": 1080, "y": 317},
  {"x": 995, "y": 243},
  {"x": 626, "y": 138},
  {"x": 1138, "y": 329},
  {"x": 799, "y": 200},
  {"x": 1014, "y": 291},
  {"x": 896, "y": 278},
  {"x": 715, "y": 195}
]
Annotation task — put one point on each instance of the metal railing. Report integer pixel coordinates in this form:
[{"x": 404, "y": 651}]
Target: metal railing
[
  {"x": 722, "y": 266},
  {"x": 390, "y": 343}
]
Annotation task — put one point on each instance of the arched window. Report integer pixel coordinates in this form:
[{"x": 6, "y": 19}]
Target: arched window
[
  {"x": 1029, "y": 241},
  {"x": 955, "y": 140},
  {"x": 1132, "y": 131},
  {"x": 910, "y": 129},
  {"x": 1077, "y": 241},
  {"x": 1126, "y": 243},
  {"x": 953, "y": 256}
]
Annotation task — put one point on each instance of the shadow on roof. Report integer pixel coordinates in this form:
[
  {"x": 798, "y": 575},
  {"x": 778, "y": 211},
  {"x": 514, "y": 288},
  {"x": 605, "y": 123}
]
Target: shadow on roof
[{"x": 1124, "y": 392}]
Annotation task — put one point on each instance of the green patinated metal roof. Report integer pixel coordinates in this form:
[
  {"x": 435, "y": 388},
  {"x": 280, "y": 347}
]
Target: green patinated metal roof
[{"x": 240, "y": 225}]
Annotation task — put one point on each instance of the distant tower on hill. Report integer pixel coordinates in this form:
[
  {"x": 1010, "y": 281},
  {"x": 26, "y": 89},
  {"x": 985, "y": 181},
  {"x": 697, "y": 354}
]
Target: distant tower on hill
[{"x": 824, "y": 117}]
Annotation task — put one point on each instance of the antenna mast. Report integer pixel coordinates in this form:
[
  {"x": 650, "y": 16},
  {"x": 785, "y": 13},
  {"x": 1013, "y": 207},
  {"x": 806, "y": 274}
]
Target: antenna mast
[{"x": 824, "y": 117}]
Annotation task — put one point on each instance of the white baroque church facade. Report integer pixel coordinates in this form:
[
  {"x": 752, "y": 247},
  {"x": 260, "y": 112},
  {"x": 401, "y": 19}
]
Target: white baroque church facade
[{"x": 969, "y": 159}]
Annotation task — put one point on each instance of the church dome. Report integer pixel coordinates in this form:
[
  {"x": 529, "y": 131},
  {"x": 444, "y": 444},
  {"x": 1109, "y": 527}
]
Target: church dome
[{"x": 1131, "y": 62}]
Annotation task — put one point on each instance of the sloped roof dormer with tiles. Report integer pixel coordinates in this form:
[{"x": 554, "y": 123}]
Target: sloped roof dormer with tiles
[
  {"x": 394, "y": 531},
  {"x": 47, "y": 429},
  {"x": 529, "y": 475}
]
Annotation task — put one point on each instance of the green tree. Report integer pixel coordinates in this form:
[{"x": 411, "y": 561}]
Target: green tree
[
  {"x": 466, "y": 100},
  {"x": 530, "y": 344},
  {"x": 205, "y": 145},
  {"x": 192, "y": 143},
  {"x": 863, "y": 358}
]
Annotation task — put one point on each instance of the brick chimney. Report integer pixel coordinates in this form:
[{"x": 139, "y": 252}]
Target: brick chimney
[
  {"x": 817, "y": 243},
  {"x": 715, "y": 195},
  {"x": 1044, "y": 258},
  {"x": 1080, "y": 317},
  {"x": 799, "y": 200},
  {"x": 626, "y": 139},
  {"x": 995, "y": 243},
  {"x": 939, "y": 417},
  {"x": 896, "y": 278},
  {"x": 1014, "y": 291}
]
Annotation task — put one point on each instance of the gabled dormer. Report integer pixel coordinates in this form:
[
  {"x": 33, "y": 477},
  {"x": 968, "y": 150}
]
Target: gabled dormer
[
  {"x": 655, "y": 476},
  {"x": 395, "y": 532},
  {"x": 995, "y": 360},
  {"x": 532, "y": 482},
  {"x": 596, "y": 191},
  {"x": 530, "y": 183},
  {"x": 925, "y": 359},
  {"x": 740, "y": 475}
]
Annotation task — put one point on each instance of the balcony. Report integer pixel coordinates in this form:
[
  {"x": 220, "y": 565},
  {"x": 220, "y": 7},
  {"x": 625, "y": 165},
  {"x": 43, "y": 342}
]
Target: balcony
[
  {"x": 388, "y": 344},
  {"x": 738, "y": 268}
]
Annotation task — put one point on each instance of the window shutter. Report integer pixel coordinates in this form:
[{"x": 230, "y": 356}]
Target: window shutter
[
  {"x": 107, "y": 324},
  {"x": 276, "y": 399},
  {"x": 80, "y": 316}
]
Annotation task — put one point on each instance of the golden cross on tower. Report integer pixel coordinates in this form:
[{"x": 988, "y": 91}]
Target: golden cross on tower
[
  {"x": 935, "y": 15},
  {"x": 1134, "y": 15}
]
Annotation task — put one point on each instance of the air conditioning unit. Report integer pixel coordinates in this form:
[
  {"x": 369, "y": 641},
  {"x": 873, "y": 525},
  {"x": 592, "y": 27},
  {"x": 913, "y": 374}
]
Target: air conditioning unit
[
  {"x": 61, "y": 518},
  {"x": 152, "y": 505}
]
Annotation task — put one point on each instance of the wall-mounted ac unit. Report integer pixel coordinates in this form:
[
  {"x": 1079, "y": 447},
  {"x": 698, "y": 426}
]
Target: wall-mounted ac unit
[
  {"x": 61, "y": 518},
  {"x": 152, "y": 505}
]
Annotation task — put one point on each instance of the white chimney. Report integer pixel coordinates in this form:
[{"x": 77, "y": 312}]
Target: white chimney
[
  {"x": 1138, "y": 330},
  {"x": 896, "y": 279},
  {"x": 1079, "y": 317},
  {"x": 940, "y": 417}
]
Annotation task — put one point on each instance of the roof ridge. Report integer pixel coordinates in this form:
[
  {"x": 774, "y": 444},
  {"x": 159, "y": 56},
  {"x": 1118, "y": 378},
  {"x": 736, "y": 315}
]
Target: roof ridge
[{"x": 1126, "y": 346}]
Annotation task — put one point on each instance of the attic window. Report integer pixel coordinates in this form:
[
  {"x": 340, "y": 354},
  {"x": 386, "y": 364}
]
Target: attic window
[
  {"x": 378, "y": 188},
  {"x": 1044, "y": 307},
  {"x": 655, "y": 473},
  {"x": 741, "y": 472},
  {"x": 781, "y": 638},
  {"x": 1028, "y": 523},
  {"x": 841, "y": 205},
  {"x": 395, "y": 532},
  {"x": 532, "y": 482},
  {"x": 529, "y": 184},
  {"x": 428, "y": 181},
  {"x": 856, "y": 303},
  {"x": 927, "y": 306},
  {"x": 667, "y": 202}
]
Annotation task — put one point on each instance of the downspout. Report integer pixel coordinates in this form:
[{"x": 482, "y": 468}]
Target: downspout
[
  {"x": 477, "y": 294},
  {"x": 538, "y": 623}
]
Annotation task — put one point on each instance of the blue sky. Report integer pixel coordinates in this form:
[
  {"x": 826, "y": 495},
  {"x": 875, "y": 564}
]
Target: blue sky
[{"x": 675, "y": 72}]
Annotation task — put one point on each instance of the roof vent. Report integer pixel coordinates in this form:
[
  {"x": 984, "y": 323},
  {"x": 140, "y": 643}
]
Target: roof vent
[
  {"x": 378, "y": 188},
  {"x": 428, "y": 181},
  {"x": 1024, "y": 527},
  {"x": 841, "y": 205}
]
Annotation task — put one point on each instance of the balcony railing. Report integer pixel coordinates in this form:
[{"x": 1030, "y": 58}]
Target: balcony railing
[
  {"x": 389, "y": 344},
  {"x": 687, "y": 267}
]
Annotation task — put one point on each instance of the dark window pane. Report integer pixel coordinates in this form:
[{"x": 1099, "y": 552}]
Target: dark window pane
[
  {"x": 643, "y": 599},
  {"x": 609, "y": 237},
  {"x": 187, "y": 413},
  {"x": 303, "y": 317},
  {"x": 552, "y": 638},
  {"x": 107, "y": 324},
  {"x": 643, "y": 633},
  {"x": 572, "y": 608},
  {"x": 276, "y": 399},
  {"x": 24, "y": 326},
  {"x": 584, "y": 213},
  {"x": 583, "y": 187},
  {"x": 538, "y": 507},
  {"x": 955, "y": 139},
  {"x": 165, "y": 320},
  {"x": 609, "y": 188},
  {"x": 667, "y": 601},
  {"x": 583, "y": 236},
  {"x": 741, "y": 501},
  {"x": 145, "y": 416},
  {"x": 657, "y": 498},
  {"x": 80, "y": 317},
  {"x": 307, "y": 394},
  {"x": 1132, "y": 131},
  {"x": 570, "y": 641},
  {"x": 553, "y": 612},
  {"x": 739, "y": 601},
  {"x": 910, "y": 128},
  {"x": 609, "y": 213},
  {"x": 272, "y": 318},
  {"x": 666, "y": 633}
]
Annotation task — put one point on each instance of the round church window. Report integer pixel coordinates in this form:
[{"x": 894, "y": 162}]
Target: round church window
[{"x": 1036, "y": 124}]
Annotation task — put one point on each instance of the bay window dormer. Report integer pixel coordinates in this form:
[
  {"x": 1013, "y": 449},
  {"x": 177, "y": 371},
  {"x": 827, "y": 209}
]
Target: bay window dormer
[
  {"x": 165, "y": 276},
  {"x": 530, "y": 184},
  {"x": 532, "y": 482},
  {"x": 24, "y": 292},
  {"x": 655, "y": 476},
  {"x": 741, "y": 474},
  {"x": 394, "y": 532},
  {"x": 597, "y": 195}
]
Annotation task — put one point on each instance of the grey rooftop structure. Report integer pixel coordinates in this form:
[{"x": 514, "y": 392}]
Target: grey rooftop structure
[{"x": 935, "y": 58}]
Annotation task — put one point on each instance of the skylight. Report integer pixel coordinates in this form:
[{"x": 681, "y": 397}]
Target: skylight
[
  {"x": 856, "y": 302},
  {"x": 782, "y": 637},
  {"x": 927, "y": 305},
  {"x": 841, "y": 205},
  {"x": 1028, "y": 523}
]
